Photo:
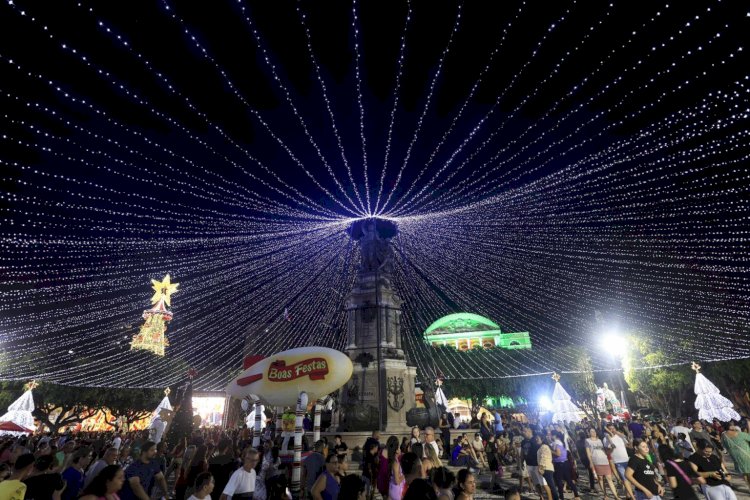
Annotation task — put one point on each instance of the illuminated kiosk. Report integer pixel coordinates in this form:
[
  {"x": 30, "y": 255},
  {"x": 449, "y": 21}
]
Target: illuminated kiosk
[
  {"x": 466, "y": 331},
  {"x": 381, "y": 390}
]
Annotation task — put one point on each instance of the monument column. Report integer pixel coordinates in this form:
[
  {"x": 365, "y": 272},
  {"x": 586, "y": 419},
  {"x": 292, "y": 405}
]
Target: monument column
[{"x": 382, "y": 388}]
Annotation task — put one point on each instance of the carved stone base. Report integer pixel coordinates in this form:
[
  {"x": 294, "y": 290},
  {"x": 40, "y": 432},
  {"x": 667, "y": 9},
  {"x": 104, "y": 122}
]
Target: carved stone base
[{"x": 361, "y": 400}]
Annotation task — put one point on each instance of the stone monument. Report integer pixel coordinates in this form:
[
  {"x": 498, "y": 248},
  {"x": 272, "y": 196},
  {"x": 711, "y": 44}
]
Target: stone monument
[{"x": 381, "y": 390}]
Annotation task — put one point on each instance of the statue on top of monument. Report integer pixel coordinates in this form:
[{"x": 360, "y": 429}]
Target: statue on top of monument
[{"x": 377, "y": 254}]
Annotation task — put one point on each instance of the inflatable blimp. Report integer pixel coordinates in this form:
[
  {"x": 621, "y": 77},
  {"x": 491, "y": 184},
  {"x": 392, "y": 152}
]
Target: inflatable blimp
[{"x": 279, "y": 379}]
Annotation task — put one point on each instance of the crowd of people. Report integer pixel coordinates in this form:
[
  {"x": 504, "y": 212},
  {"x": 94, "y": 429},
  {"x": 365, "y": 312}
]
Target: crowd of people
[{"x": 630, "y": 459}]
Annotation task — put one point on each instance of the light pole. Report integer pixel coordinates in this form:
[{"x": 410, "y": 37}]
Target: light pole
[{"x": 616, "y": 345}]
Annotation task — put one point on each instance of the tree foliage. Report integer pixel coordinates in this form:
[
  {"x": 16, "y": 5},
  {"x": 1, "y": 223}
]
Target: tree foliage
[
  {"x": 130, "y": 405},
  {"x": 649, "y": 375},
  {"x": 59, "y": 406}
]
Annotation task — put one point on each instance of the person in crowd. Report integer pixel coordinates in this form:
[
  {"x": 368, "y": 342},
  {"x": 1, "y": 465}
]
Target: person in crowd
[
  {"x": 415, "y": 435},
  {"x": 485, "y": 427},
  {"x": 313, "y": 466},
  {"x": 599, "y": 461},
  {"x": 467, "y": 485},
  {"x": 142, "y": 473},
  {"x": 117, "y": 441},
  {"x": 374, "y": 438},
  {"x": 681, "y": 474},
  {"x": 477, "y": 446},
  {"x": 343, "y": 466},
  {"x": 461, "y": 456},
  {"x": 109, "y": 458},
  {"x": 545, "y": 467},
  {"x": 584, "y": 458},
  {"x": 492, "y": 452},
  {"x": 221, "y": 466},
  {"x": 445, "y": 434},
  {"x": 683, "y": 447},
  {"x": 395, "y": 477},
  {"x": 737, "y": 444},
  {"x": 371, "y": 465},
  {"x": 339, "y": 446},
  {"x": 242, "y": 482},
  {"x": 353, "y": 487},
  {"x": 204, "y": 485},
  {"x": 642, "y": 475},
  {"x": 562, "y": 472},
  {"x": 512, "y": 494},
  {"x": 14, "y": 488},
  {"x": 530, "y": 456},
  {"x": 431, "y": 449},
  {"x": 177, "y": 454},
  {"x": 636, "y": 428},
  {"x": 415, "y": 485},
  {"x": 65, "y": 455},
  {"x": 699, "y": 433},
  {"x": 616, "y": 442},
  {"x": 44, "y": 482},
  {"x": 498, "y": 422},
  {"x": 327, "y": 486},
  {"x": 125, "y": 459},
  {"x": 181, "y": 484},
  {"x": 405, "y": 446},
  {"x": 198, "y": 465},
  {"x": 678, "y": 428},
  {"x": 277, "y": 488},
  {"x": 74, "y": 474},
  {"x": 105, "y": 484},
  {"x": 443, "y": 481},
  {"x": 712, "y": 469}
]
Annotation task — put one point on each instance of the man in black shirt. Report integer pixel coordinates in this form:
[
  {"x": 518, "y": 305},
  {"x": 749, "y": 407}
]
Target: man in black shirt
[
  {"x": 642, "y": 475},
  {"x": 713, "y": 471},
  {"x": 529, "y": 451},
  {"x": 221, "y": 467}
]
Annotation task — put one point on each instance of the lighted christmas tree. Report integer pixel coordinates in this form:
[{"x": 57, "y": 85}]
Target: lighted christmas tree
[
  {"x": 151, "y": 336},
  {"x": 709, "y": 402},
  {"x": 563, "y": 408}
]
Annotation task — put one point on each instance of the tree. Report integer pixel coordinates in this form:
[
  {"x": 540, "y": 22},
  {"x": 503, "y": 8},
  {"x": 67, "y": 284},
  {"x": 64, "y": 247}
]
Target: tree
[
  {"x": 664, "y": 387},
  {"x": 475, "y": 390},
  {"x": 581, "y": 385},
  {"x": 59, "y": 406},
  {"x": 733, "y": 378},
  {"x": 130, "y": 405}
]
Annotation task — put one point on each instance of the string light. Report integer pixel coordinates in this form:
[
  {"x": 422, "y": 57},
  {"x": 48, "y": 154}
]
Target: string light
[{"x": 617, "y": 185}]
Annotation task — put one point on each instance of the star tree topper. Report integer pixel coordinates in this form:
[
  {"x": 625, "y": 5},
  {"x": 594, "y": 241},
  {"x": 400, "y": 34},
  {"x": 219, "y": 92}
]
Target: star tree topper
[
  {"x": 164, "y": 288},
  {"x": 556, "y": 377}
]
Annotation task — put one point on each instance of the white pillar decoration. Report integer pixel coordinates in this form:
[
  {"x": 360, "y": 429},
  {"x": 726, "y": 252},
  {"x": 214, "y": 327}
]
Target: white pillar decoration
[
  {"x": 279, "y": 414},
  {"x": 296, "y": 471},
  {"x": 316, "y": 420},
  {"x": 256, "y": 429}
]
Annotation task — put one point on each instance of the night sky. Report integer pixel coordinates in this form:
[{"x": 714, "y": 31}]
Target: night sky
[{"x": 564, "y": 168}]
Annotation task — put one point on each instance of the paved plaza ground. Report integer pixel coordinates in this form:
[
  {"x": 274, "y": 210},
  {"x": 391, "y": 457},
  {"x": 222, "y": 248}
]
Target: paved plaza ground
[{"x": 739, "y": 485}]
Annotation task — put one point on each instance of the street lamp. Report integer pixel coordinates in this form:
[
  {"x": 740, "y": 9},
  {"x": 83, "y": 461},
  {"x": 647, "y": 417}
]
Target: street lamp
[{"x": 616, "y": 345}]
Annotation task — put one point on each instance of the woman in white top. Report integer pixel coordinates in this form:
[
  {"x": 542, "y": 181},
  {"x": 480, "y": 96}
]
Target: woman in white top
[{"x": 599, "y": 462}]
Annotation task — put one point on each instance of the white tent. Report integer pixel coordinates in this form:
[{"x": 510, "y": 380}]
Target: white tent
[{"x": 19, "y": 412}]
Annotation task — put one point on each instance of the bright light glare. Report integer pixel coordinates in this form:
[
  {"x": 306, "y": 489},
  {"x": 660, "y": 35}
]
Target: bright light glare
[
  {"x": 615, "y": 344},
  {"x": 545, "y": 403}
]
